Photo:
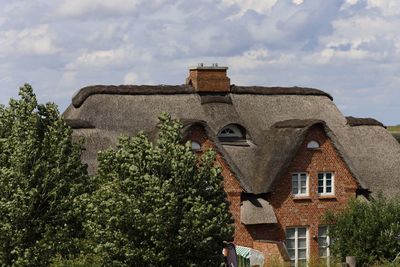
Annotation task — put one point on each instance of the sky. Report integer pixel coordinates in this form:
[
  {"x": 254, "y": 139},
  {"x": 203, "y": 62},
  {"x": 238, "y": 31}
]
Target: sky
[{"x": 348, "y": 48}]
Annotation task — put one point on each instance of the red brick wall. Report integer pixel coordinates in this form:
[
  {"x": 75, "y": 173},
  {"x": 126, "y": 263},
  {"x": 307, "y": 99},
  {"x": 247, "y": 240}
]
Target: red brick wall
[
  {"x": 272, "y": 252},
  {"x": 231, "y": 185},
  {"x": 290, "y": 211}
]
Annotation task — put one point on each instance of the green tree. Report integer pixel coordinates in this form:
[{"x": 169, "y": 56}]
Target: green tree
[
  {"x": 157, "y": 204},
  {"x": 40, "y": 176},
  {"x": 368, "y": 230}
]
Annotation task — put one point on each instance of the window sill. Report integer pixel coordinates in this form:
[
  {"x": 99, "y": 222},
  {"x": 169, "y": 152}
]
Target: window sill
[
  {"x": 301, "y": 198},
  {"x": 243, "y": 143},
  {"x": 327, "y": 197}
]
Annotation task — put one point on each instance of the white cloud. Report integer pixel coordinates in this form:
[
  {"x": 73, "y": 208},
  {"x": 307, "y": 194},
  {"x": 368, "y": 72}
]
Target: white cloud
[
  {"x": 82, "y": 7},
  {"x": 362, "y": 37},
  {"x": 256, "y": 5},
  {"x": 351, "y": 2},
  {"x": 38, "y": 40},
  {"x": 130, "y": 78},
  {"x": 297, "y": 2},
  {"x": 339, "y": 46},
  {"x": 387, "y": 7},
  {"x": 249, "y": 59},
  {"x": 100, "y": 59}
]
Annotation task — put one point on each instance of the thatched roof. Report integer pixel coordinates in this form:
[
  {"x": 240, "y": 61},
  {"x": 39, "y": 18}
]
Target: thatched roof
[
  {"x": 276, "y": 120},
  {"x": 352, "y": 121},
  {"x": 257, "y": 211}
]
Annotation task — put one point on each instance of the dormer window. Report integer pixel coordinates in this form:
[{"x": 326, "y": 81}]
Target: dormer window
[
  {"x": 195, "y": 146},
  {"x": 313, "y": 145},
  {"x": 232, "y": 133}
]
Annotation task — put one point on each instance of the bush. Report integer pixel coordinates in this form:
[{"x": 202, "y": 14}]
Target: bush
[
  {"x": 370, "y": 231},
  {"x": 81, "y": 261},
  {"x": 157, "y": 204},
  {"x": 40, "y": 176}
]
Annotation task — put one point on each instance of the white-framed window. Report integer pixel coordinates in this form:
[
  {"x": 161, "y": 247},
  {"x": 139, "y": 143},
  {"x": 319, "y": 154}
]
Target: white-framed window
[
  {"x": 297, "y": 245},
  {"x": 300, "y": 184},
  {"x": 232, "y": 132},
  {"x": 326, "y": 185},
  {"x": 313, "y": 144},
  {"x": 323, "y": 243}
]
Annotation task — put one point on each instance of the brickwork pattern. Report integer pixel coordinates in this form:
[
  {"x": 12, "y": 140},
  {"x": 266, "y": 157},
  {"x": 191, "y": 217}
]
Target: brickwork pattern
[
  {"x": 290, "y": 211},
  {"x": 213, "y": 80},
  {"x": 308, "y": 211}
]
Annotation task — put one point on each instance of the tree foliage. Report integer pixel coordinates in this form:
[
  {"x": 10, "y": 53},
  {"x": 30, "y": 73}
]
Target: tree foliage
[
  {"x": 370, "y": 231},
  {"x": 157, "y": 204},
  {"x": 40, "y": 176}
]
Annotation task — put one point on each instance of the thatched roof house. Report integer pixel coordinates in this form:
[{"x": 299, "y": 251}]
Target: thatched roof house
[{"x": 288, "y": 154}]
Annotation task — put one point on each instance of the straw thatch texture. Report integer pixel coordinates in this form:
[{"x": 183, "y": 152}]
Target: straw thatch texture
[
  {"x": 257, "y": 211},
  {"x": 276, "y": 120},
  {"x": 352, "y": 121}
]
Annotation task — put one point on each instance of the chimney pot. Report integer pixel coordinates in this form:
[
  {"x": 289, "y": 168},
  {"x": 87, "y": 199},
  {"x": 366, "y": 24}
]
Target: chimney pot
[{"x": 209, "y": 79}]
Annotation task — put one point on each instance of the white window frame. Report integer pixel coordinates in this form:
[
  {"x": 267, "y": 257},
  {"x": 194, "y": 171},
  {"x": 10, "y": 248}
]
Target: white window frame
[
  {"x": 328, "y": 243},
  {"x": 296, "y": 241},
  {"x": 324, "y": 193},
  {"x": 299, "y": 194}
]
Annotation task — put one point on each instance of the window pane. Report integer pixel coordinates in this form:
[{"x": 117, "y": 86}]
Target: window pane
[
  {"x": 328, "y": 189},
  {"x": 328, "y": 182},
  {"x": 292, "y": 254},
  {"x": 322, "y": 252},
  {"x": 328, "y": 175},
  {"x": 322, "y": 231},
  {"x": 303, "y": 190},
  {"x": 302, "y": 243},
  {"x": 322, "y": 242},
  {"x": 302, "y": 253},
  {"x": 290, "y": 233},
  {"x": 320, "y": 182},
  {"x": 302, "y": 232},
  {"x": 290, "y": 243},
  {"x": 320, "y": 176},
  {"x": 320, "y": 189},
  {"x": 295, "y": 188}
]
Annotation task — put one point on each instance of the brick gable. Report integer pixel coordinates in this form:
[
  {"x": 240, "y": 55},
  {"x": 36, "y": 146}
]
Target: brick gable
[
  {"x": 309, "y": 211},
  {"x": 290, "y": 211}
]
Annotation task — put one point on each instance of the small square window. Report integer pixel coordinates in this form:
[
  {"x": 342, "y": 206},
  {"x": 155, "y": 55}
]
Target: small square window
[
  {"x": 325, "y": 183},
  {"x": 300, "y": 184}
]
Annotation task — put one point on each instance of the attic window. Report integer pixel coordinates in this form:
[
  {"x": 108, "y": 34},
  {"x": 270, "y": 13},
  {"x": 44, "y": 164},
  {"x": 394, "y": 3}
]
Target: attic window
[
  {"x": 232, "y": 133},
  {"x": 313, "y": 145},
  {"x": 196, "y": 146}
]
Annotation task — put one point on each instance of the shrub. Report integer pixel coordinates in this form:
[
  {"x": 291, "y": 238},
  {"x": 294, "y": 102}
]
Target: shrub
[{"x": 370, "y": 231}]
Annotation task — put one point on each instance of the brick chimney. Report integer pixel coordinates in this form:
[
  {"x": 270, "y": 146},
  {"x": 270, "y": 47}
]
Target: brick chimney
[{"x": 209, "y": 79}]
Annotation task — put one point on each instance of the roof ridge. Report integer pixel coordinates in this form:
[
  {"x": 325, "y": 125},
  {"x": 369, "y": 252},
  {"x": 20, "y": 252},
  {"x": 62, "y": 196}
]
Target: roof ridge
[
  {"x": 79, "y": 98},
  {"x": 354, "y": 121}
]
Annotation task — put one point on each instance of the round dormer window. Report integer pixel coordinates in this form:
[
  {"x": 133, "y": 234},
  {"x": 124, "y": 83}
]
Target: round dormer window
[
  {"x": 313, "y": 145},
  {"x": 232, "y": 132},
  {"x": 196, "y": 146}
]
